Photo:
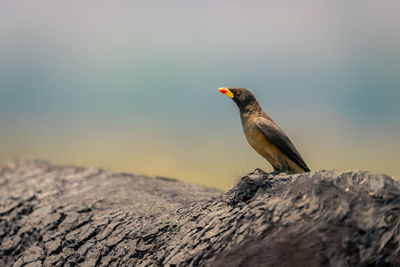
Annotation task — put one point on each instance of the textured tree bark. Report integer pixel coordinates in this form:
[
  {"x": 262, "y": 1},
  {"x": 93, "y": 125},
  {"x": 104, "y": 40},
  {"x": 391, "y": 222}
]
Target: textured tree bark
[{"x": 63, "y": 215}]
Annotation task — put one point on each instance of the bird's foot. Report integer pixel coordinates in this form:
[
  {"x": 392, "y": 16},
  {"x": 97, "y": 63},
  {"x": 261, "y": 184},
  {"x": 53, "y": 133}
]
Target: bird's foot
[
  {"x": 259, "y": 171},
  {"x": 277, "y": 172}
]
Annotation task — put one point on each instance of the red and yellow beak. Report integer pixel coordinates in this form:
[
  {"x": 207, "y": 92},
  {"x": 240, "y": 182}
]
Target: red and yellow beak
[{"x": 226, "y": 92}]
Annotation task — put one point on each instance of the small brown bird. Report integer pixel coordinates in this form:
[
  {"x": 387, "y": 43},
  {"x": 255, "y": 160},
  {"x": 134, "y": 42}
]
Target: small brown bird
[{"x": 264, "y": 135}]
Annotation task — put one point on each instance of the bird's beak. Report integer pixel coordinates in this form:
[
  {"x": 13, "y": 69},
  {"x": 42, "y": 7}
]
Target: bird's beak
[{"x": 226, "y": 91}]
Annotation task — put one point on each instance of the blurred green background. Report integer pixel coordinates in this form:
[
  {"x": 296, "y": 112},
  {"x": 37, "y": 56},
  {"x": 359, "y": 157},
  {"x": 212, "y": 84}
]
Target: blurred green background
[{"x": 132, "y": 85}]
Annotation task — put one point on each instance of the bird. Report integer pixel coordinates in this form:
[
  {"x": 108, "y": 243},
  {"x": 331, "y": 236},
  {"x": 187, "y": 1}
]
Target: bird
[{"x": 264, "y": 135}]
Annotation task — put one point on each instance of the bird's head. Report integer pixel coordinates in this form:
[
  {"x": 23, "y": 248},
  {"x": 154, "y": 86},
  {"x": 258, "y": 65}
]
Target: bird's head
[{"x": 241, "y": 96}]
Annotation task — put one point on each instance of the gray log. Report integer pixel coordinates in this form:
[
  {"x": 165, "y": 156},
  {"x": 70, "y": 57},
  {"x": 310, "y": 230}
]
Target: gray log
[{"x": 55, "y": 215}]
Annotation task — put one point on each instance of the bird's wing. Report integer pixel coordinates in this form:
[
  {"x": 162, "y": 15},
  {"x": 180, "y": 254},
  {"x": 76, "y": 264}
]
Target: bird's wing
[{"x": 278, "y": 138}]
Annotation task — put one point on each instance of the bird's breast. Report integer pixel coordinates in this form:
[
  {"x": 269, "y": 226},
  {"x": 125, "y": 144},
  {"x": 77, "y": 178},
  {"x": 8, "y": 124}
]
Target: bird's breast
[{"x": 257, "y": 139}]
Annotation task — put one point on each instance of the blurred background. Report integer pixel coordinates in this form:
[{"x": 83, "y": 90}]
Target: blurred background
[{"x": 132, "y": 85}]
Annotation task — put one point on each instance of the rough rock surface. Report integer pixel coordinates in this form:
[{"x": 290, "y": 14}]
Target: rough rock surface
[{"x": 62, "y": 215}]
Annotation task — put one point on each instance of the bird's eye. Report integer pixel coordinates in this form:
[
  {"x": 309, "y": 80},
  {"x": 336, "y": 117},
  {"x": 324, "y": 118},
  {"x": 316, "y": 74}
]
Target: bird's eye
[{"x": 237, "y": 92}]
